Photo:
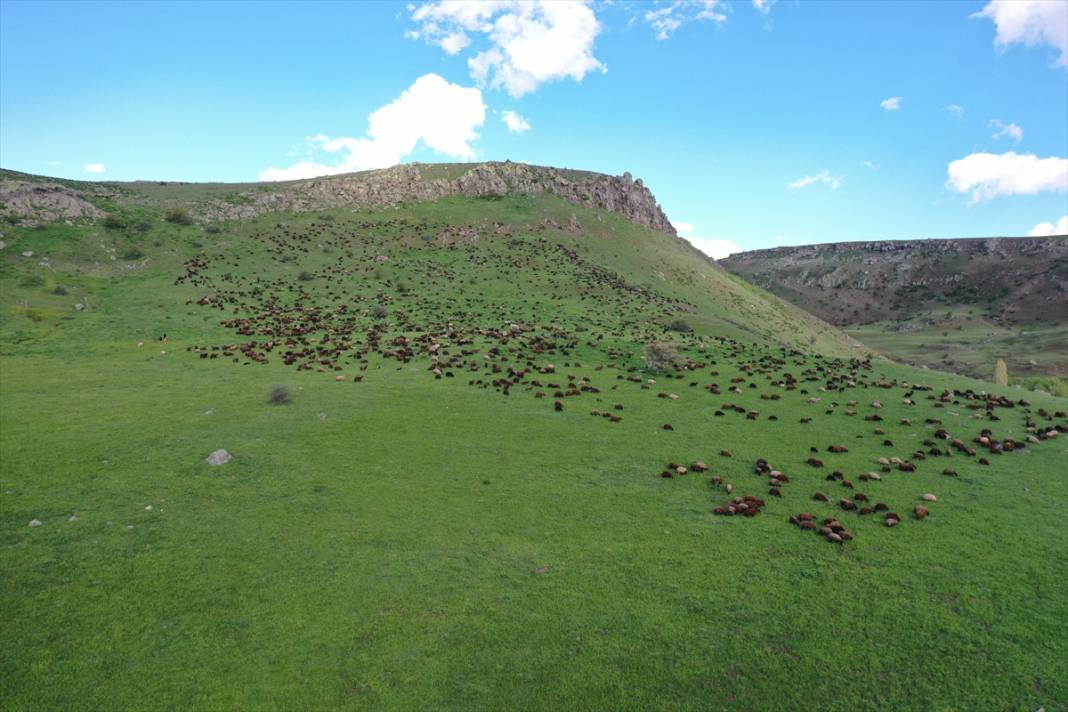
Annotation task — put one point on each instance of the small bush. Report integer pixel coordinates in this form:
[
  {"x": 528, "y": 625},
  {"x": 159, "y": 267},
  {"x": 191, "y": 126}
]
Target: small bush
[
  {"x": 402, "y": 287},
  {"x": 32, "y": 280},
  {"x": 12, "y": 218},
  {"x": 60, "y": 290},
  {"x": 179, "y": 216},
  {"x": 132, "y": 254},
  {"x": 114, "y": 222},
  {"x": 142, "y": 226},
  {"x": 305, "y": 276},
  {"x": 660, "y": 356},
  {"x": 681, "y": 326},
  {"x": 279, "y": 395},
  {"x": 212, "y": 229},
  {"x": 379, "y": 312}
]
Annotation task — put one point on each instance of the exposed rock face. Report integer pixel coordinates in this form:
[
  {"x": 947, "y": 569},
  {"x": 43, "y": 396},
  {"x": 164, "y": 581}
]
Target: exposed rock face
[
  {"x": 416, "y": 182},
  {"x": 45, "y": 201},
  {"x": 1015, "y": 280}
]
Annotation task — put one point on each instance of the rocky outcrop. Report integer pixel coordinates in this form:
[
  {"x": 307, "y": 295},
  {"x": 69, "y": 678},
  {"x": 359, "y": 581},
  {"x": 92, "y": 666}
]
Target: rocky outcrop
[
  {"x": 417, "y": 182},
  {"x": 45, "y": 202}
]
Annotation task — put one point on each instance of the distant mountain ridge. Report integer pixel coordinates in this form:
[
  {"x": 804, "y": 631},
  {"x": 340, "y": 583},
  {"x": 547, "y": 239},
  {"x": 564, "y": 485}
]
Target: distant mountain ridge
[
  {"x": 968, "y": 293},
  {"x": 1018, "y": 279}
]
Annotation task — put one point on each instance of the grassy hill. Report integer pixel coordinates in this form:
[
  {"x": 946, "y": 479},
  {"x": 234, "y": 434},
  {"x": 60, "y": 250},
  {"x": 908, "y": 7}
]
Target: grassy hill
[
  {"x": 447, "y": 487},
  {"x": 955, "y": 305}
]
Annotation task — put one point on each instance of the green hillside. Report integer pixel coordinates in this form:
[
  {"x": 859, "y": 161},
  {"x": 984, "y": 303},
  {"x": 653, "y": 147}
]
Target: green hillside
[{"x": 458, "y": 482}]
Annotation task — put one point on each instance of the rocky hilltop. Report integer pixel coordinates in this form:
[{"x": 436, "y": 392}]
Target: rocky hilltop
[{"x": 390, "y": 186}]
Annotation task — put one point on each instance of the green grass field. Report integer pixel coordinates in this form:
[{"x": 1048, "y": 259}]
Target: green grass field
[{"x": 410, "y": 542}]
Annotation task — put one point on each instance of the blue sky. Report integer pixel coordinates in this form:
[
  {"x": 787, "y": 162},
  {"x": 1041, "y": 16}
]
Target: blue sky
[{"x": 754, "y": 123}]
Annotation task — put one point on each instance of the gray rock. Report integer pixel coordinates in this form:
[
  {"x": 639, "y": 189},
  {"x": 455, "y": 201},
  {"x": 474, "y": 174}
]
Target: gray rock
[
  {"x": 36, "y": 522},
  {"x": 219, "y": 457},
  {"x": 46, "y": 201}
]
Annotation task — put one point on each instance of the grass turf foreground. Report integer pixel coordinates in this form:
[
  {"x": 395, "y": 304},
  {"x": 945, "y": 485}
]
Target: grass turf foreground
[{"x": 405, "y": 541}]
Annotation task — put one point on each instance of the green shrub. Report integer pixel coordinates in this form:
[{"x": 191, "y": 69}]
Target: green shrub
[
  {"x": 179, "y": 216},
  {"x": 305, "y": 276},
  {"x": 32, "y": 280},
  {"x": 680, "y": 325},
  {"x": 279, "y": 395},
  {"x": 379, "y": 312},
  {"x": 132, "y": 254},
  {"x": 660, "y": 356},
  {"x": 114, "y": 222},
  {"x": 60, "y": 290}
]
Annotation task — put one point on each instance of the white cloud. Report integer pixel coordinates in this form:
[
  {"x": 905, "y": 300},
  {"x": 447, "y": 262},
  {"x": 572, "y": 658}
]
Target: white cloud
[
  {"x": 443, "y": 116},
  {"x": 822, "y": 177},
  {"x": 870, "y": 165},
  {"x": 454, "y": 42},
  {"x": 529, "y": 42},
  {"x": 665, "y": 19},
  {"x": 989, "y": 175},
  {"x": 1011, "y": 130},
  {"x": 94, "y": 168},
  {"x": 1030, "y": 23},
  {"x": 514, "y": 122},
  {"x": 891, "y": 104},
  {"x": 1046, "y": 229},
  {"x": 715, "y": 248},
  {"x": 955, "y": 110},
  {"x": 763, "y": 6}
]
